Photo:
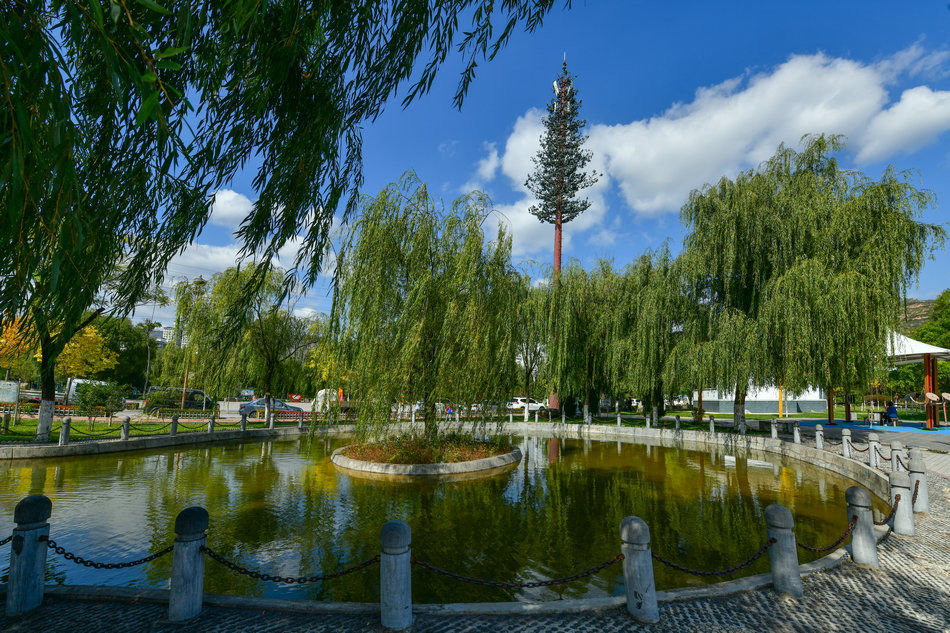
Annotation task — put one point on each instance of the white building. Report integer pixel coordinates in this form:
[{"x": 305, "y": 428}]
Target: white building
[{"x": 765, "y": 400}]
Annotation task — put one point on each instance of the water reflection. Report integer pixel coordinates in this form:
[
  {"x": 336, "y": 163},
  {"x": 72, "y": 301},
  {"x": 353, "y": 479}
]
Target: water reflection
[{"x": 282, "y": 507}]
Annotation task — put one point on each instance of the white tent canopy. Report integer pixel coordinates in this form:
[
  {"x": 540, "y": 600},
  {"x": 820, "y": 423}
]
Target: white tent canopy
[{"x": 902, "y": 350}]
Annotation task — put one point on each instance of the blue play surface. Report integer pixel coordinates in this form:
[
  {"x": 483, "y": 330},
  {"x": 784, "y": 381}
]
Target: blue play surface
[{"x": 909, "y": 427}]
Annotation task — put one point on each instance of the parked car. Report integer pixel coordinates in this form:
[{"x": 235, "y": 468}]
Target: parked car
[
  {"x": 277, "y": 406},
  {"x": 532, "y": 404},
  {"x": 170, "y": 398}
]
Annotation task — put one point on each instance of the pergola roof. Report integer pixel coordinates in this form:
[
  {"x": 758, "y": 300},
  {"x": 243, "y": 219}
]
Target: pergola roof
[{"x": 903, "y": 350}]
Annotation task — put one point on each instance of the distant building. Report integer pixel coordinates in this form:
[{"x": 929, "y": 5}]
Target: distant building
[{"x": 162, "y": 335}]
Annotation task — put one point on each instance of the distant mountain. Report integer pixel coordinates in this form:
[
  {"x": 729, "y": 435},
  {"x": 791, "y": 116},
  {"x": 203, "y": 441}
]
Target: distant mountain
[{"x": 918, "y": 311}]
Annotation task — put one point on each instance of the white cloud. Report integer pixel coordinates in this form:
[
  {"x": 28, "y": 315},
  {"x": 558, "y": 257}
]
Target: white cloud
[
  {"x": 230, "y": 208},
  {"x": 735, "y": 125},
  {"x": 916, "y": 120}
]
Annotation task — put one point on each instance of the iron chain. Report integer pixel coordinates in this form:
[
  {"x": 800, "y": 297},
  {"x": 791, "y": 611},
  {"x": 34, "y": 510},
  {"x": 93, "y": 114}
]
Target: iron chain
[
  {"x": 901, "y": 461},
  {"x": 143, "y": 430},
  {"x": 721, "y": 572},
  {"x": 287, "y": 580},
  {"x": 860, "y": 450},
  {"x": 887, "y": 519},
  {"x": 832, "y": 442},
  {"x": 881, "y": 455},
  {"x": 916, "y": 490},
  {"x": 73, "y": 429},
  {"x": 518, "y": 585},
  {"x": 834, "y": 545},
  {"x": 79, "y": 560},
  {"x": 6, "y": 540}
]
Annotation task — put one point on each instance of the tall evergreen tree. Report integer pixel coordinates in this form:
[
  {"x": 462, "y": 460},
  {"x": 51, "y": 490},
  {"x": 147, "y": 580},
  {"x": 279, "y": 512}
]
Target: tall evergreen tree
[{"x": 559, "y": 165}]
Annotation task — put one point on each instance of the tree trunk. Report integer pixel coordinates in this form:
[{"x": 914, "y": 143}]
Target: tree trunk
[
  {"x": 738, "y": 409},
  {"x": 429, "y": 422},
  {"x": 830, "y": 401},
  {"x": 847, "y": 405},
  {"x": 44, "y": 422}
]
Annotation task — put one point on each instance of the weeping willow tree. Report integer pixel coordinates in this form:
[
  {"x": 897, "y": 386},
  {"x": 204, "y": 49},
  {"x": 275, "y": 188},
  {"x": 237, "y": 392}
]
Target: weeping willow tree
[
  {"x": 642, "y": 317},
  {"x": 581, "y": 337},
  {"x": 796, "y": 272},
  {"x": 234, "y": 334},
  {"x": 424, "y": 305}
]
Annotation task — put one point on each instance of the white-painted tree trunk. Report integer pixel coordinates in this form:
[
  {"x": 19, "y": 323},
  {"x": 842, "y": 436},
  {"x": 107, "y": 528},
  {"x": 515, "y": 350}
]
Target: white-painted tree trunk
[{"x": 45, "y": 422}]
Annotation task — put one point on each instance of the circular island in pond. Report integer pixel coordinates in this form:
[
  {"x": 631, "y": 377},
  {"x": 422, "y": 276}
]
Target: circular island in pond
[{"x": 413, "y": 457}]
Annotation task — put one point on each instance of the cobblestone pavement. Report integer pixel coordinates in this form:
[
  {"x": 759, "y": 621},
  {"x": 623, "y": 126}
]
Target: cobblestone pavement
[{"x": 909, "y": 594}]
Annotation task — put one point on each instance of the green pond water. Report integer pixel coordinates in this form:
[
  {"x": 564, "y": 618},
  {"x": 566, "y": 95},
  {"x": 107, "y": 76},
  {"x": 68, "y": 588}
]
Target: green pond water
[{"x": 282, "y": 508}]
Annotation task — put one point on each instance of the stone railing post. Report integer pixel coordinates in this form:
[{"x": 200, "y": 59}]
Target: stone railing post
[
  {"x": 819, "y": 437},
  {"x": 863, "y": 543},
  {"x": 646, "y": 419},
  {"x": 173, "y": 429},
  {"x": 897, "y": 457},
  {"x": 6, "y": 422},
  {"x": 535, "y": 416},
  {"x": 712, "y": 424},
  {"x": 28, "y": 554},
  {"x": 918, "y": 473},
  {"x": 64, "y": 431},
  {"x": 270, "y": 421},
  {"x": 773, "y": 425},
  {"x": 188, "y": 564},
  {"x": 511, "y": 417},
  {"x": 874, "y": 448},
  {"x": 903, "y": 522},
  {"x": 796, "y": 432},
  {"x": 783, "y": 554},
  {"x": 395, "y": 576},
  {"x": 677, "y": 419},
  {"x": 125, "y": 427},
  {"x": 243, "y": 422},
  {"x": 300, "y": 422},
  {"x": 846, "y": 443},
  {"x": 211, "y": 424},
  {"x": 638, "y": 570}
]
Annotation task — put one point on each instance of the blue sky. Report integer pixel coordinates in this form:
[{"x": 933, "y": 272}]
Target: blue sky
[{"x": 676, "y": 95}]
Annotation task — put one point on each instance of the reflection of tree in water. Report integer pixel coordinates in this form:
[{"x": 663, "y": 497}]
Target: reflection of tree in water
[{"x": 282, "y": 508}]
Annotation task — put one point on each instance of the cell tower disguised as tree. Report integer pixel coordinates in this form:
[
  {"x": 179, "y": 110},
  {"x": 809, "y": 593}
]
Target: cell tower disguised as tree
[{"x": 559, "y": 165}]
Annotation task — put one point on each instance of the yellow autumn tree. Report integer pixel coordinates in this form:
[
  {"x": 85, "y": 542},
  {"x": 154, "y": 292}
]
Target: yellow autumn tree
[
  {"x": 86, "y": 354},
  {"x": 15, "y": 344}
]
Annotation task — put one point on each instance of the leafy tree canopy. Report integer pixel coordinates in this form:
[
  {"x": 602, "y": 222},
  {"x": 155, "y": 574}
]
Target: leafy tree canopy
[{"x": 423, "y": 307}]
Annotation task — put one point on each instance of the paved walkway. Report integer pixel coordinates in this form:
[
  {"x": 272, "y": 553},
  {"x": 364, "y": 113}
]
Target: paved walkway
[{"x": 909, "y": 594}]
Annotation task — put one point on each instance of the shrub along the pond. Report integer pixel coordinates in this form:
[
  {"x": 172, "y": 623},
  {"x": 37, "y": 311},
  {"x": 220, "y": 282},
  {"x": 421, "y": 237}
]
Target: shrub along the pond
[{"x": 445, "y": 449}]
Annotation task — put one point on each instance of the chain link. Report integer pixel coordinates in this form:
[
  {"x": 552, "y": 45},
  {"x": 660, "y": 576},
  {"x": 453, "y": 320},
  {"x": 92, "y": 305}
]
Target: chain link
[
  {"x": 287, "y": 580},
  {"x": 860, "y": 450},
  {"x": 79, "y": 560},
  {"x": 190, "y": 427},
  {"x": 518, "y": 585},
  {"x": 73, "y": 429},
  {"x": 887, "y": 519},
  {"x": 881, "y": 455},
  {"x": 834, "y": 545},
  {"x": 144, "y": 430},
  {"x": 901, "y": 462},
  {"x": 721, "y": 572},
  {"x": 916, "y": 490},
  {"x": 832, "y": 442},
  {"x": 6, "y": 540}
]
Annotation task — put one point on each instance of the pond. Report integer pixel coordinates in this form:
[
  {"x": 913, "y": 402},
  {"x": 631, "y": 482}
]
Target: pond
[{"x": 282, "y": 508}]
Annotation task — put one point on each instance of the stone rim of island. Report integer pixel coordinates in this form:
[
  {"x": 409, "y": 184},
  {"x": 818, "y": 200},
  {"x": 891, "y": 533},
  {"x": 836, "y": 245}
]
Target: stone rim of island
[{"x": 416, "y": 470}]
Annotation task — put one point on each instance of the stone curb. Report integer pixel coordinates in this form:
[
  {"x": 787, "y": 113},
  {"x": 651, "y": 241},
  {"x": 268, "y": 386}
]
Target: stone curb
[{"x": 416, "y": 470}]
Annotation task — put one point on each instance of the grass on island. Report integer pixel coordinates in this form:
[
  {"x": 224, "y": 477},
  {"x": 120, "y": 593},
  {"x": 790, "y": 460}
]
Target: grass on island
[{"x": 446, "y": 449}]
